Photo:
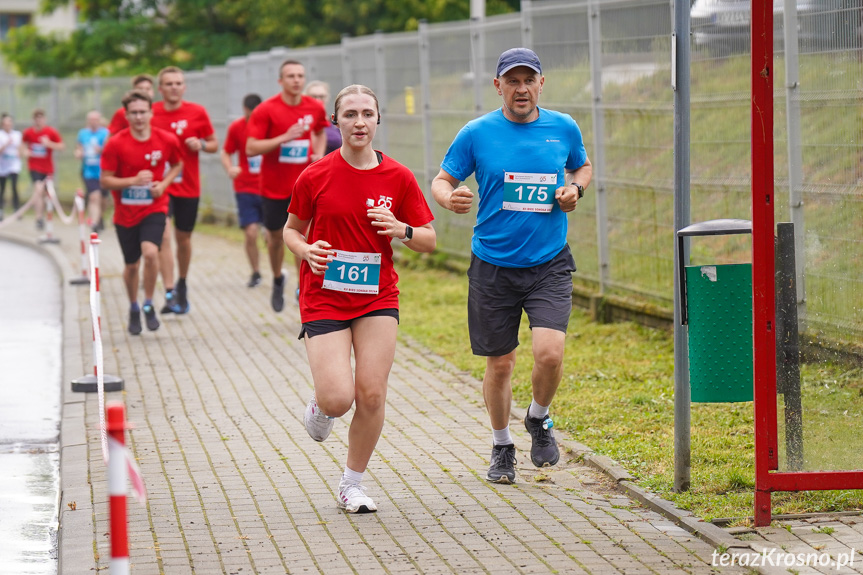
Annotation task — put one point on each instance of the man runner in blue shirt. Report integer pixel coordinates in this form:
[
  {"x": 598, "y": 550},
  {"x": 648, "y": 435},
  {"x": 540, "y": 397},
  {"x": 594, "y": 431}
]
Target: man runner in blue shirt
[
  {"x": 88, "y": 149},
  {"x": 531, "y": 168}
]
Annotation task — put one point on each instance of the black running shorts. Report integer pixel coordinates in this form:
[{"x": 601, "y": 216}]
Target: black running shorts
[
  {"x": 185, "y": 213},
  {"x": 150, "y": 229},
  {"x": 275, "y": 213},
  {"x": 324, "y": 326},
  {"x": 497, "y": 296}
]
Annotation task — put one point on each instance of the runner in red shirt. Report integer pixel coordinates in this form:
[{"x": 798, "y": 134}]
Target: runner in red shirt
[
  {"x": 353, "y": 203},
  {"x": 247, "y": 184},
  {"x": 40, "y": 142},
  {"x": 141, "y": 83},
  {"x": 191, "y": 123},
  {"x": 134, "y": 167},
  {"x": 288, "y": 131}
]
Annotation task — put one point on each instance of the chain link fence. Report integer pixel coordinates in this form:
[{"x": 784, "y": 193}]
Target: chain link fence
[{"x": 607, "y": 63}]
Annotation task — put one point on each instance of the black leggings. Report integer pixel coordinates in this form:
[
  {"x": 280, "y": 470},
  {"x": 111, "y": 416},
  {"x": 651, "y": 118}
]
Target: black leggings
[{"x": 14, "y": 179}]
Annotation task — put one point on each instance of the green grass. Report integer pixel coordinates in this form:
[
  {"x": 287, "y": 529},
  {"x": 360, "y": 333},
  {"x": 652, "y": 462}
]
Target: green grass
[{"x": 617, "y": 397}]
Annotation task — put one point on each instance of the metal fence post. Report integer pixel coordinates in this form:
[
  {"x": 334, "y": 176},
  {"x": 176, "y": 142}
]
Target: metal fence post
[
  {"x": 526, "y": 24},
  {"x": 477, "y": 57},
  {"x": 383, "y": 94},
  {"x": 97, "y": 94},
  {"x": 425, "y": 81},
  {"x": 54, "y": 113},
  {"x": 680, "y": 62},
  {"x": 598, "y": 153},
  {"x": 347, "y": 74},
  {"x": 795, "y": 151}
]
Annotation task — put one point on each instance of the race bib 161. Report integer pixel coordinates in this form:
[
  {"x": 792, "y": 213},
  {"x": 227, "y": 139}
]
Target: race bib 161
[{"x": 354, "y": 272}]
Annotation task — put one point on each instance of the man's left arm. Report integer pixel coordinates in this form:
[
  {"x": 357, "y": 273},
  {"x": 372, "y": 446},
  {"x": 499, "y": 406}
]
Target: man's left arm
[
  {"x": 55, "y": 142},
  {"x": 567, "y": 195},
  {"x": 210, "y": 144},
  {"x": 319, "y": 145}
]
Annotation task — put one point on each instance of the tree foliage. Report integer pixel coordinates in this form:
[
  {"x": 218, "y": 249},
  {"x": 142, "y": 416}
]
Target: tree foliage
[{"x": 130, "y": 36}]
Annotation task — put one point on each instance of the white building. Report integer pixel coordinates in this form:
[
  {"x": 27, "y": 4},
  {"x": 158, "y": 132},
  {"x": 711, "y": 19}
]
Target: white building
[{"x": 15, "y": 13}]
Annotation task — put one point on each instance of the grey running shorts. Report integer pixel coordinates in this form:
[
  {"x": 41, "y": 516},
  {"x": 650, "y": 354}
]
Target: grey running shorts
[{"x": 497, "y": 296}]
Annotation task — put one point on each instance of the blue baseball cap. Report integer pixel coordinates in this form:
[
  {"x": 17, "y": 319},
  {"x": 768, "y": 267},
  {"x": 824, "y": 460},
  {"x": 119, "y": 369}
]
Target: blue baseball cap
[{"x": 515, "y": 57}]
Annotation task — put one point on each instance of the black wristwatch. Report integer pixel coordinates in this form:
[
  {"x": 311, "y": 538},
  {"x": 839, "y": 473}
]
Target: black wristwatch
[
  {"x": 580, "y": 189},
  {"x": 409, "y": 233}
]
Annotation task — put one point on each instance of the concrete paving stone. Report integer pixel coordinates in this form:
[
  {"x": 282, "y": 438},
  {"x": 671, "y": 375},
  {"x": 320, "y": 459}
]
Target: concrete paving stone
[{"x": 218, "y": 396}]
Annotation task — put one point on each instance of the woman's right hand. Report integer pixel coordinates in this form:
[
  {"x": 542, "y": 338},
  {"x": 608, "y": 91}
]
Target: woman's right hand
[{"x": 319, "y": 255}]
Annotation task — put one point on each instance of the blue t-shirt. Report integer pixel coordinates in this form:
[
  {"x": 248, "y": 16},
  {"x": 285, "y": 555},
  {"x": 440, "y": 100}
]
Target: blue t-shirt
[
  {"x": 92, "y": 142},
  {"x": 517, "y": 224}
]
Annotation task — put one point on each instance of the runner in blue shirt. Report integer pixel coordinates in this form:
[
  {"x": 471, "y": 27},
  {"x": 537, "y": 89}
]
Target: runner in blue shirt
[
  {"x": 531, "y": 168},
  {"x": 88, "y": 149}
]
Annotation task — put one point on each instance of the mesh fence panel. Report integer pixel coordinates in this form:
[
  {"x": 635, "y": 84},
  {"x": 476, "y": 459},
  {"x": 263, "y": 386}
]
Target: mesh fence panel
[{"x": 607, "y": 64}]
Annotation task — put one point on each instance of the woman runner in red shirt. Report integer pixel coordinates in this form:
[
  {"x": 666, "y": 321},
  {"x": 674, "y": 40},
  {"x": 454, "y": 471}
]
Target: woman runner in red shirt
[{"x": 353, "y": 202}]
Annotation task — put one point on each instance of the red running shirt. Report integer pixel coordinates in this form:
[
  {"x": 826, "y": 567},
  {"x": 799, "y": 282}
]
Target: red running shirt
[
  {"x": 335, "y": 196},
  {"x": 126, "y": 156},
  {"x": 188, "y": 121},
  {"x": 40, "y": 157},
  {"x": 249, "y": 180},
  {"x": 118, "y": 121},
  {"x": 282, "y": 166}
]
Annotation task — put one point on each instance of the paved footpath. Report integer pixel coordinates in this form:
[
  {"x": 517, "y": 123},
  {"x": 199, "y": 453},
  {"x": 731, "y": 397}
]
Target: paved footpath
[{"x": 237, "y": 487}]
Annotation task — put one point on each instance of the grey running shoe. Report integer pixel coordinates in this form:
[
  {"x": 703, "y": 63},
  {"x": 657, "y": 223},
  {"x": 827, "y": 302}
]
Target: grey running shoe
[
  {"x": 502, "y": 468},
  {"x": 181, "y": 302},
  {"x": 150, "y": 317},
  {"x": 278, "y": 297},
  {"x": 135, "y": 322},
  {"x": 543, "y": 448},
  {"x": 353, "y": 498},
  {"x": 169, "y": 302},
  {"x": 255, "y": 280},
  {"x": 317, "y": 424}
]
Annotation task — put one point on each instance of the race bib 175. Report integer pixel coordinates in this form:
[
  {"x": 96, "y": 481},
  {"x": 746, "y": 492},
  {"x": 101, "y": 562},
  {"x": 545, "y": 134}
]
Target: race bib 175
[{"x": 523, "y": 192}]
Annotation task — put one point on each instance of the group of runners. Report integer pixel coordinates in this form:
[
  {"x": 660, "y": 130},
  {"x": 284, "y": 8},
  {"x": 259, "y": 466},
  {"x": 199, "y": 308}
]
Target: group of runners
[
  {"x": 314, "y": 181},
  {"x": 37, "y": 145}
]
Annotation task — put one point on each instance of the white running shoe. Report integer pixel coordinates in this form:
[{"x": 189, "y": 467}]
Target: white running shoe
[
  {"x": 317, "y": 424},
  {"x": 353, "y": 498}
]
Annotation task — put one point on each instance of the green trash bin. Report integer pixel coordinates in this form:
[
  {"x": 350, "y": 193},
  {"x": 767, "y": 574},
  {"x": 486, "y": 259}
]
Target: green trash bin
[
  {"x": 716, "y": 303},
  {"x": 719, "y": 310}
]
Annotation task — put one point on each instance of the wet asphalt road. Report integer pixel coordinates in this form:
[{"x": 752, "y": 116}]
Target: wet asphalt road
[{"x": 30, "y": 379}]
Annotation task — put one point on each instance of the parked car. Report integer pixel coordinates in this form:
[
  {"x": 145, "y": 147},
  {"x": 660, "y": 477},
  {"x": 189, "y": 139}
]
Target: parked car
[{"x": 723, "y": 26}]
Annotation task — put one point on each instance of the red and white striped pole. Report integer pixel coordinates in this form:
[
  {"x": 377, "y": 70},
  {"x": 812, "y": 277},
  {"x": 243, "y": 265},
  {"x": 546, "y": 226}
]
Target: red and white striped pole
[
  {"x": 91, "y": 382},
  {"x": 97, "y": 304},
  {"x": 117, "y": 482},
  {"x": 49, "y": 238},
  {"x": 84, "y": 278}
]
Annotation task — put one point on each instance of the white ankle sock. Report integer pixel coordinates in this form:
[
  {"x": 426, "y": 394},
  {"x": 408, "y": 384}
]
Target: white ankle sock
[
  {"x": 536, "y": 410},
  {"x": 502, "y": 436},
  {"x": 352, "y": 476}
]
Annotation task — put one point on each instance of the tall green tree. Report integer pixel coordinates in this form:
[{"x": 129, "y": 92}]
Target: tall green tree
[{"x": 129, "y": 36}]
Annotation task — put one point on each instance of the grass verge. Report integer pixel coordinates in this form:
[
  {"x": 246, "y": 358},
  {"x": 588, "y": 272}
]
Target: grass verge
[{"x": 617, "y": 397}]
